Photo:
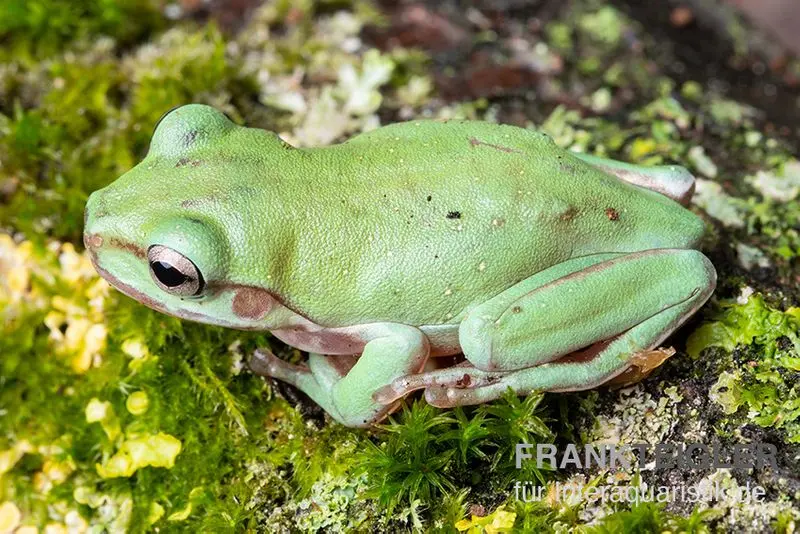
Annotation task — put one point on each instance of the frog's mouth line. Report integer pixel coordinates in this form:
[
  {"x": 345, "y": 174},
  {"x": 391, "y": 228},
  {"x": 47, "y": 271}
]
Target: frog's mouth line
[
  {"x": 131, "y": 291},
  {"x": 93, "y": 241}
]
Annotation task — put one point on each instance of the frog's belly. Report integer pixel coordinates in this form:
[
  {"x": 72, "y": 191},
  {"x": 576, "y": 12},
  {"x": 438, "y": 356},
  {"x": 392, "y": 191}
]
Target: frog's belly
[{"x": 351, "y": 339}]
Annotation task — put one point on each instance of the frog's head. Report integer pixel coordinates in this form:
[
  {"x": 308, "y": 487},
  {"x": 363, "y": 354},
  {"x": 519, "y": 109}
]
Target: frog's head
[{"x": 160, "y": 233}]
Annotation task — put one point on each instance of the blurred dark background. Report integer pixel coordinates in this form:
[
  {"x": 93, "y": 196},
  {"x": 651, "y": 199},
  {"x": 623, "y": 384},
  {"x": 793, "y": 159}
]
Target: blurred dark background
[{"x": 781, "y": 17}]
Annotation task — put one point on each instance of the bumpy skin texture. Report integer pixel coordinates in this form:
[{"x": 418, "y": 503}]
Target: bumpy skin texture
[{"x": 402, "y": 235}]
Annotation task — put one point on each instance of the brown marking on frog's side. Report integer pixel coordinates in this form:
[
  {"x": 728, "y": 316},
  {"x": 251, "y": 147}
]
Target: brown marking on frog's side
[
  {"x": 569, "y": 214},
  {"x": 133, "y": 248},
  {"x": 252, "y": 303},
  {"x": 612, "y": 214},
  {"x": 186, "y": 161},
  {"x": 477, "y": 142},
  {"x": 453, "y": 214}
]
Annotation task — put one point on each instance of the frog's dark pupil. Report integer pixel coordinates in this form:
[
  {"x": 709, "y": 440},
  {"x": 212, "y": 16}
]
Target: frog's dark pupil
[{"x": 167, "y": 274}]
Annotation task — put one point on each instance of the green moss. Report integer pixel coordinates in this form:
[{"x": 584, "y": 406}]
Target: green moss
[
  {"x": 426, "y": 453},
  {"x": 77, "y": 110},
  {"x": 35, "y": 29},
  {"x": 765, "y": 381}
]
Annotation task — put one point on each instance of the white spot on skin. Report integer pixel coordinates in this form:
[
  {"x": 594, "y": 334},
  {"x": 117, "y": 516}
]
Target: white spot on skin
[
  {"x": 448, "y": 292},
  {"x": 482, "y": 266}
]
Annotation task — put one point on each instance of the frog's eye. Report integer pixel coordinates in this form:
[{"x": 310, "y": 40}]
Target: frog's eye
[{"x": 173, "y": 272}]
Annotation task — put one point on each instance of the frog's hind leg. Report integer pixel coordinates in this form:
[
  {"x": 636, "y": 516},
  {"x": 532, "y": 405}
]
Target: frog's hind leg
[
  {"x": 316, "y": 378},
  {"x": 670, "y": 180},
  {"x": 569, "y": 331},
  {"x": 345, "y": 385}
]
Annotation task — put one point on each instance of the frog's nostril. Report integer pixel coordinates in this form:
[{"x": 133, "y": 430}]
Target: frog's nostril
[{"x": 92, "y": 241}]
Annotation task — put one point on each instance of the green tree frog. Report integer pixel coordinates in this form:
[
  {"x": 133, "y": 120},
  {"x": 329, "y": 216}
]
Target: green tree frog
[{"x": 548, "y": 270}]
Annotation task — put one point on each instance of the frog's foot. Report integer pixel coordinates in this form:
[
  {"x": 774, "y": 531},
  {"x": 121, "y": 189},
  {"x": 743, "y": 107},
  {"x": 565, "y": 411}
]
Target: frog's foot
[
  {"x": 314, "y": 379},
  {"x": 345, "y": 385},
  {"x": 642, "y": 364},
  {"x": 463, "y": 375},
  {"x": 265, "y": 363},
  {"x": 527, "y": 381},
  {"x": 532, "y": 336}
]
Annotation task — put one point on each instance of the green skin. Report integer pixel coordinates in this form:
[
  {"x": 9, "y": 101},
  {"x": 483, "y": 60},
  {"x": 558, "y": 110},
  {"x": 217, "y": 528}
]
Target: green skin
[{"x": 548, "y": 270}]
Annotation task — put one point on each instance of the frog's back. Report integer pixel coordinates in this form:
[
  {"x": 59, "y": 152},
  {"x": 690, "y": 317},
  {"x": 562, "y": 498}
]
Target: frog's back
[{"x": 425, "y": 219}]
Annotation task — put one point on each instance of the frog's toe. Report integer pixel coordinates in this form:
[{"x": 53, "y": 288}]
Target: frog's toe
[
  {"x": 461, "y": 376},
  {"x": 264, "y": 363},
  {"x": 449, "y": 397}
]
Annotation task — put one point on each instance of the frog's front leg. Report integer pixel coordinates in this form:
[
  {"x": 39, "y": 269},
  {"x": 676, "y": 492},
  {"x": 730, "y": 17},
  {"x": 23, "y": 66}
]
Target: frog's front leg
[
  {"x": 571, "y": 327},
  {"x": 345, "y": 385}
]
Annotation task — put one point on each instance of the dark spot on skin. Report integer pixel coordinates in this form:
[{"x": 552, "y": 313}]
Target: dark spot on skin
[
  {"x": 464, "y": 381},
  {"x": 567, "y": 168},
  {"x": 436, "y": 256},
  {"x": 190, "y": 137},
  {"x": 569, "y": 214},
  {"x": 429, "y": 198},
  {"x": 516, "y": 309},
  {"x": 476, "y": 142},
  {"x": 186, "y": 161},
  {"x": 251, "y": 303},
  {"x": 612, "y": 214},
  {"x": 454, "y": 215}
]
